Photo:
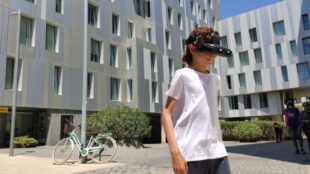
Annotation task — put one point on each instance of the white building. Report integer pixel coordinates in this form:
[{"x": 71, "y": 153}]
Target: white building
[
  {"x": 134, "y": 46},
  {"x": 271, "y": 54}
]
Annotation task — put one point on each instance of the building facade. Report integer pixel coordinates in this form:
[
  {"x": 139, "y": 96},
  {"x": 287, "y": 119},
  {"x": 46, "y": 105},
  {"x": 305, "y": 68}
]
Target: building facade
[
  {"x": 134, "y": 46},
  {"x": 270, "y": 62}
]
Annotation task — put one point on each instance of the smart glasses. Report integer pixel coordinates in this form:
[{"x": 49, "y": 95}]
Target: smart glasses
[{"x": 214, "y": 49}]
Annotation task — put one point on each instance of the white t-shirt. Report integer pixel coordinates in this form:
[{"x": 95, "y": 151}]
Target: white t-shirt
[{"x": 195, "y": 118}]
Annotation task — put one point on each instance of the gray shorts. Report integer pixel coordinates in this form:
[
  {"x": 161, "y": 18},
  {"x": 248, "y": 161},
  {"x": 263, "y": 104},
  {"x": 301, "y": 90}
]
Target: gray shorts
[{"x": 210, "y": 166}]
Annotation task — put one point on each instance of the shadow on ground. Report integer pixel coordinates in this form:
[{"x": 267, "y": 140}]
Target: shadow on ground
[{"x": 283, "y": 151}]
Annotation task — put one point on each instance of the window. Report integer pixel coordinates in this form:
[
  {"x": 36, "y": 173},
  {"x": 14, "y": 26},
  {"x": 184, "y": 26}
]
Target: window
[
  {"x": 180, "y": 21},
  {"x": 244, "y": 58},
  {"x": 130, "y": 30},
  {"x": 92, "y": 15},
  {"x": 113, "y": 56},
  {"x": 50, "y": 38},
  {"x": 115, "y": 84},
  {"x": 210, "y": 4},
  {"x": 233, "y": 103},
  {"x": 129, "y": 90},
  {"x": 199, "y": 11},
  {"x": 306, "y": 45},
  {"x": 57, "y": 80},
  {"x": 9, "y": 74},
  {"x": 247, "y": 102},
  {"x": 258, "y": 55},
  {"x": 90, "y": 85},
  {"x": 303, "y": 71},
  {"x": 193, "y": 7},
  {"x": 228, "y": 79},
  {"x": 129, "y": 58},
  {"x": 258, "y": 78},
  {"x": 263, "y": 100},
  {"x": 278, "y": 28},
  {"x": 230, "y": 61},
  {"x": 32, "y": 1},
  {"x": 153, "y": 62},
  {"x": 154, "y": 92},
  {"x": 169, "y": 15},
  {"x": 115, "y": 23},
  {"x": 95, "y": 52},
  {"x": 148, "y": 8},
  {"x": 26, "y": 31},
  {"x": 168, "y": 39},
  {"x": 284, "y": 73},
  {"x": 293, "y": 47},
  {"x": 253, "y": 35},
  {"x": 171, "y": 67},
  {"x": 223, "y": 41},
  {"x": 279, "y": 51},
  {"x": 204, "y": 15},
  {"x": 58, "y": 6},
  {"x": 242, "y": 81},
  {"x": 183, "y": 44},
  {"x": 305, "y": 21},
  {"x": 238, "y": 39},
  {"x": 180, "y": 2},
  {"x": 149, "y": 34}
]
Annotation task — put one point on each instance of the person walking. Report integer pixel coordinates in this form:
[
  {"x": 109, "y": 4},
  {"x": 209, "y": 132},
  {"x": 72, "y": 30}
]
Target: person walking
[
  {"x": 293, "y": 121},
  {"x": 278, "y": 132},
  {"x": 305, "y": 121},
  {"x": 190, "y": 116}
]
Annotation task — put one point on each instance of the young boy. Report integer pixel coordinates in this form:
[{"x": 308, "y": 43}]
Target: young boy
[{"x": 190, "y": 116}]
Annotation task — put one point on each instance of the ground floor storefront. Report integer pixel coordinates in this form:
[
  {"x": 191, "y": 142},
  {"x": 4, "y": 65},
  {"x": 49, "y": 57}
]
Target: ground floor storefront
[{"x": 47, "y": 126}]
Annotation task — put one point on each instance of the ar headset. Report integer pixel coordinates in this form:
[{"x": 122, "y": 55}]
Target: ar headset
[{"x": 212, "y": 48}]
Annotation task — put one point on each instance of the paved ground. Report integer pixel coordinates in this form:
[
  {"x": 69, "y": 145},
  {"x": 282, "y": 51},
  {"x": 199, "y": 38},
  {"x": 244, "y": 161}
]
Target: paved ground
[{"x": 244, "y": 158}]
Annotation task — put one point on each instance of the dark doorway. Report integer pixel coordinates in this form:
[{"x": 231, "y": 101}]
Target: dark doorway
[
  {"x": 64, "y": 125},
  {"x": 156, "y": 129},
  {"x": 2, "y": 130}
]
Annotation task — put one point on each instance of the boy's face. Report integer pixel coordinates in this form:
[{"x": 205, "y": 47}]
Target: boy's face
[{"x": 202, "y": 58}]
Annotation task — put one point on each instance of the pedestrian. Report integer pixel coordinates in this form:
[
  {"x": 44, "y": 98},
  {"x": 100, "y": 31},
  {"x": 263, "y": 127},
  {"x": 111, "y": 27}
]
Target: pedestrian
[
  {"x": 278, "y": 131},
  {"x": 190, "y": 116},
  {"x": 293, "y": 121},
  {"x": 305, "y": 121}
]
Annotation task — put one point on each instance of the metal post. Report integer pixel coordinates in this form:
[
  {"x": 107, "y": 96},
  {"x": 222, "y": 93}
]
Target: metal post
[
  {"x": 84, "y": 93},
  {"x": 15, "y": 83}
]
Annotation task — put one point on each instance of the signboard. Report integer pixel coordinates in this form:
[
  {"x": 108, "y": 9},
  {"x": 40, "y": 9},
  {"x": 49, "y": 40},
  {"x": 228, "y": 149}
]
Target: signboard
[{"x": 4, "y": 110}]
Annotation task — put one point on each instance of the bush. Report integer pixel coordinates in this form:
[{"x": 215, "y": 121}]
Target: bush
[
  {"x": 247, "y": 132},
  {"x": 25, "y": 141},
  {"x": 227, "y": 127},
  {"x": 127, "y": 125}
]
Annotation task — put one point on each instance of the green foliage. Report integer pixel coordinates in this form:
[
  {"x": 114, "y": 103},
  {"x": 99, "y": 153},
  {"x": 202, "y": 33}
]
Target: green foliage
[
  {"x": 247, "y": 131},
  {"x": 25, "y": 141},
  {"x": 126, "y": 124},
  {"x": 227, "y": 127},
  {"x": 265, "y": 126}
]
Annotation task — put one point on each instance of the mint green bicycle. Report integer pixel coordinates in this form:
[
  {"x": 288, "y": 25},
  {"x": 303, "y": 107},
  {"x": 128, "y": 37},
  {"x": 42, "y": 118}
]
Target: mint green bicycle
[{"x": 101, "y": 148}]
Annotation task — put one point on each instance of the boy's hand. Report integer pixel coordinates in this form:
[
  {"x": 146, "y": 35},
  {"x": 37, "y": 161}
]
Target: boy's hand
[{"x": 179, "y": 164}]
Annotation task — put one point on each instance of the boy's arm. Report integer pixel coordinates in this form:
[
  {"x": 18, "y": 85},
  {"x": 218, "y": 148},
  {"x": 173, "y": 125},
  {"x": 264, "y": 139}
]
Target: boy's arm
[{"x": 178, "y": 162}]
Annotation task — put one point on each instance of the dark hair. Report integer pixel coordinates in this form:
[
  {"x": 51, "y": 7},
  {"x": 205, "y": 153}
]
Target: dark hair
[{"x": 197, "y": 36}]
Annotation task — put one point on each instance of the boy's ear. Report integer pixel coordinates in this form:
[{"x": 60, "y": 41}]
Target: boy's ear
[{"x": 191, "y": 48}]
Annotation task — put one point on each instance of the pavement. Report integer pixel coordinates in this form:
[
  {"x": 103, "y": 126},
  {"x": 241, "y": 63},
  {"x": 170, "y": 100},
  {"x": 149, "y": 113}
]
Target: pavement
[{"x": 263, "y": 157}]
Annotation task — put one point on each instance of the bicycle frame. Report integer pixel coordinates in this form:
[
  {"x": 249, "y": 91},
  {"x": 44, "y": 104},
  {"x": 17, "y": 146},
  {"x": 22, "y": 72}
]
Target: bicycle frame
[{"x": 85, "y": 150}]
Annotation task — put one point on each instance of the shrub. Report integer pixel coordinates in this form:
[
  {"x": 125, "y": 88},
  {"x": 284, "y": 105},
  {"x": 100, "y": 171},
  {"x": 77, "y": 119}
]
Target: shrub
[
  {"x": 127, "y": 125},
  {"x": 25, "y": 141},
  {"x": 247, "y": 132},
  {"x": 227, "y": 127}
]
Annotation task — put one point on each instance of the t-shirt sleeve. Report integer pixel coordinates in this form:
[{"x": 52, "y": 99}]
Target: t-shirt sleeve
[{"x": 176, "y": 86}]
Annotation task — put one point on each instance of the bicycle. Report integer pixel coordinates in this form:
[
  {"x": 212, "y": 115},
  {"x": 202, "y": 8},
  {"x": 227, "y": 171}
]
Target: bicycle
[{"x": 100, "y": 148}]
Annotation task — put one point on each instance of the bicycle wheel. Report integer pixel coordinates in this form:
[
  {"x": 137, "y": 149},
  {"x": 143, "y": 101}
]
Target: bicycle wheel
[
  {"x": 102, "y": 149},
  {"x": 63, "y": 150}
]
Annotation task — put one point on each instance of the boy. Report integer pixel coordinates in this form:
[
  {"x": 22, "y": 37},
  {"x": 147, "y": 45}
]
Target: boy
[{"x": 190, "y": 116}]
